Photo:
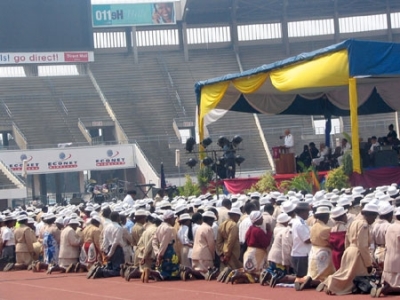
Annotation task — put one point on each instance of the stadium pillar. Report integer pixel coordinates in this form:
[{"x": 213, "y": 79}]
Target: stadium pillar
[
  {"x": 185, "y": 41},
  {"x": 285, "y": 30},
  {"x": 58, "y": 188},
  {"x": 234, "y": 27},
  {"x": 128, "y": 38},
  {"x": 336, "y": 22},
  {"x": 389, "y": 22},
  {"x": 134, "y": 45},
  {"x": 5, "y": 139},
  {"x": 43, "y": 188}
]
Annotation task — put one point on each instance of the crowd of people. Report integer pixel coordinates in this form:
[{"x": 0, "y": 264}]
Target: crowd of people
[{"x": 338, "y": 242}]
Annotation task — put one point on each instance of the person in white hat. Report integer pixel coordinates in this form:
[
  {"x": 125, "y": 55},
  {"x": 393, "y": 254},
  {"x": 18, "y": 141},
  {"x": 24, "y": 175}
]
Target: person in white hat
[
  {"x": 278, "y": 203},
  {"x": 346, "y": 202},
  {"x": 163, "y": 245},
  {"x": 268, "y": 221},
  {"x": 391, "y": 267},
  {"x": 7, "y": 235},
  {"x": 50, "y": 237},
  {"x": 137, "y": 231},
  {"x": 70, "y": 243},
  {"x": 228, "y": 244},
  {"x": 337, "y": 235},
  {"x": 90, "y": 250},
  {"x": 204, "y": 247},
  {"x": 145, "y": 250},
  {"x": 244, "y": 225},
  {"x": 185, "y": 236},
  {"x": 356, "y": 260},
  {"x": 320, "y": 264},
  {"x": 378, "y": 231},
  {"x": 301, "y": 243},
  {"x": 257, "y": 241},
  {"x": 278, "y": 268},
  {"x": 24, "y": 244},
  {"x": 226, "y": 205},
  {"x": 112, "y": 248}
]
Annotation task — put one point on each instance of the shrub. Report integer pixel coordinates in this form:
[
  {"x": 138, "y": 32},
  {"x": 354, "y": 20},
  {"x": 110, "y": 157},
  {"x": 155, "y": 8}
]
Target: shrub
[
  {"x": 265, "y": 184},
  {"x": 337, "y": 179}
]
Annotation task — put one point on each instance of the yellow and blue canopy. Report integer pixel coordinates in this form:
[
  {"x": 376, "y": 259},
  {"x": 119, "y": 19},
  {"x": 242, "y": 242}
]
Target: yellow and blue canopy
[{"x": 350, "y": 78}]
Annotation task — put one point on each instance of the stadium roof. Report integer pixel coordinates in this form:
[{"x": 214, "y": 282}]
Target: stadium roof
[{"x": 269, "y": 11}]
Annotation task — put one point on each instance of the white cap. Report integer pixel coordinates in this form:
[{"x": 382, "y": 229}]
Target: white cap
[
  {"x": 73, "y": 222},
  {"x": 323, "y": 203},
  {"x": 384, "y": 208},
  {"x": 60, "y": 220},
  {"x": 183, "y": 217},
  {"x": 96, "y": 218},
  {"x": 281, "y": 199},
  {"x": 209, "y": 214},
  {"x": 275, "y": 195},
  {"x": 255, "y": 216},
  {"x": 344, "y": 201},
  {"x": 235, "y": 210},
  {"x": 358, "y": 190},
  {"x": 31, "y": 221},
  {"x": 322, "y": 210},
  {"x": 180, "y": 208},
  {"x": 369, "y": 207},
  {"x": 283, "y": 218},
  {"x": 22, "y": 218},
  {"x": 255, "y": 195},
  {"x": 168, "y": 214},
  {"x": 392, "y": 191},
  {"x": 140, "y": 213},
  {"x": 265, "y": 200},
  {"x": 338, "y": 211},
  {"x": 288, "y": 206},
  {"x": 385, "y": 198}
]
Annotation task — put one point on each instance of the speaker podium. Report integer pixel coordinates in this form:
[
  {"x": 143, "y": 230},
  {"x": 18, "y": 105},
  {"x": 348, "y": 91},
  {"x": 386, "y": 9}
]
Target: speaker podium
[{"x": 284, "y": 161}]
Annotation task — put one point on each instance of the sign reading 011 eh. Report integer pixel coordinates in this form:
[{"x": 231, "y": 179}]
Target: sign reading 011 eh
[{"x": 137, "y": 14}]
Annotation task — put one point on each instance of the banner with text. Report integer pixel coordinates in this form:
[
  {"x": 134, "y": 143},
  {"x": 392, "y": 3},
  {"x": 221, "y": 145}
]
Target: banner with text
[
  {"x": 70, "y": 159},
  {"x": 136, "y": 14},
  {"x": 46, "y": 57}
]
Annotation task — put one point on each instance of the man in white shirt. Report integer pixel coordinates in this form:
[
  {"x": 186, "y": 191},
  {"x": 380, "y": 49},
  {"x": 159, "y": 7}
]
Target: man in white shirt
[
  {"x": 324, "y": 151},
  {"x": 112, "y": 247},
  {"x": 7, "y": 235},
  {"x": 244, "y": 225},
  {"x": 345, "y": 147},
  {"x": 374, "y": 143},
  {"x": 301, "y": 243},
  {"x": 130, "y": 198},
  {"x": 289, "y": 141}
]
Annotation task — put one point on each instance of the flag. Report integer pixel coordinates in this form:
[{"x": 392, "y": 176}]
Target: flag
[
  {"x": 315, "y": 181},
  {"x": 163, "y": 183}
]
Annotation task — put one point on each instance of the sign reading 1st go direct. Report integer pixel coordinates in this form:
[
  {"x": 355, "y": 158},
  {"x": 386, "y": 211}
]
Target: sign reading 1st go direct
[{"x": 138, "y": 14}]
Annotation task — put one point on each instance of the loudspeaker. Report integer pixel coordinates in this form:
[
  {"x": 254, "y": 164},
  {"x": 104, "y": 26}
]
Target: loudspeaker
[{"x": 387, "y": 158}]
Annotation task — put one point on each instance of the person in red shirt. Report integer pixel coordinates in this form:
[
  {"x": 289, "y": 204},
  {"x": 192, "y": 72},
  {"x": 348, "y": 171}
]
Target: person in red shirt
[{"x": 255, "y": 257}]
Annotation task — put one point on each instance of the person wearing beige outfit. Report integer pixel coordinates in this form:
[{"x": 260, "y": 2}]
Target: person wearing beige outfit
[
  {"x": 228, "y": 241},
  {"x": 23, "y": 244},
  {"x": 356, "y": 260},
  {"x": 69, "y": 245}
]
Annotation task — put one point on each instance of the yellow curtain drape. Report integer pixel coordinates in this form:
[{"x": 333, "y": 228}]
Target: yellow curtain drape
[
  {"x": 211, "y": 95},
  {"x": 355, "y": 142},
  {"x": 328, "y": 70},
  {"x": 248, "y": 85}
]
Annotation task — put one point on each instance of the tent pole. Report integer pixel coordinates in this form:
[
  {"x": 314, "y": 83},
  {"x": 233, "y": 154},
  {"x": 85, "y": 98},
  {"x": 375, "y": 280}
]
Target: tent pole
[
  {"x": 396, "y": 115},
  {"x": 355, "y": 142},
  {"x": 264, "y": 142}
]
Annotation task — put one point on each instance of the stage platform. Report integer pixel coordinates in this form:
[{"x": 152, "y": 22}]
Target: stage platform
[{"x": 370, "y": 178}]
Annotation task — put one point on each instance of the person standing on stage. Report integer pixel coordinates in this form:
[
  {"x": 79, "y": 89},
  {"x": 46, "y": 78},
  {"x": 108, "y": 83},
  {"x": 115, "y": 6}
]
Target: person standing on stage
[{"x": 288, "y": 141}]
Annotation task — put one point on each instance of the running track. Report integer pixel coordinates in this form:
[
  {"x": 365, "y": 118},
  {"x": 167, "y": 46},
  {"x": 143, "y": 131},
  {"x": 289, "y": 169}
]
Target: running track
[{"x": 27, "y": 285}]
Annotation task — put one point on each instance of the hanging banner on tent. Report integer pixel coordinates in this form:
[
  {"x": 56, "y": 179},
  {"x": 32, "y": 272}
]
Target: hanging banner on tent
[
  {"x": 135, "y": 14},
  {"x": 70, "y": 159}
]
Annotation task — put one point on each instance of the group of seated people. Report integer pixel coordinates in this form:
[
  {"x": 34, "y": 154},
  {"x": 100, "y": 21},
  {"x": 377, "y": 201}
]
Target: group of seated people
[
  {"x": 322, "y": 159},
  {"x": 325, "y": 159}
]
